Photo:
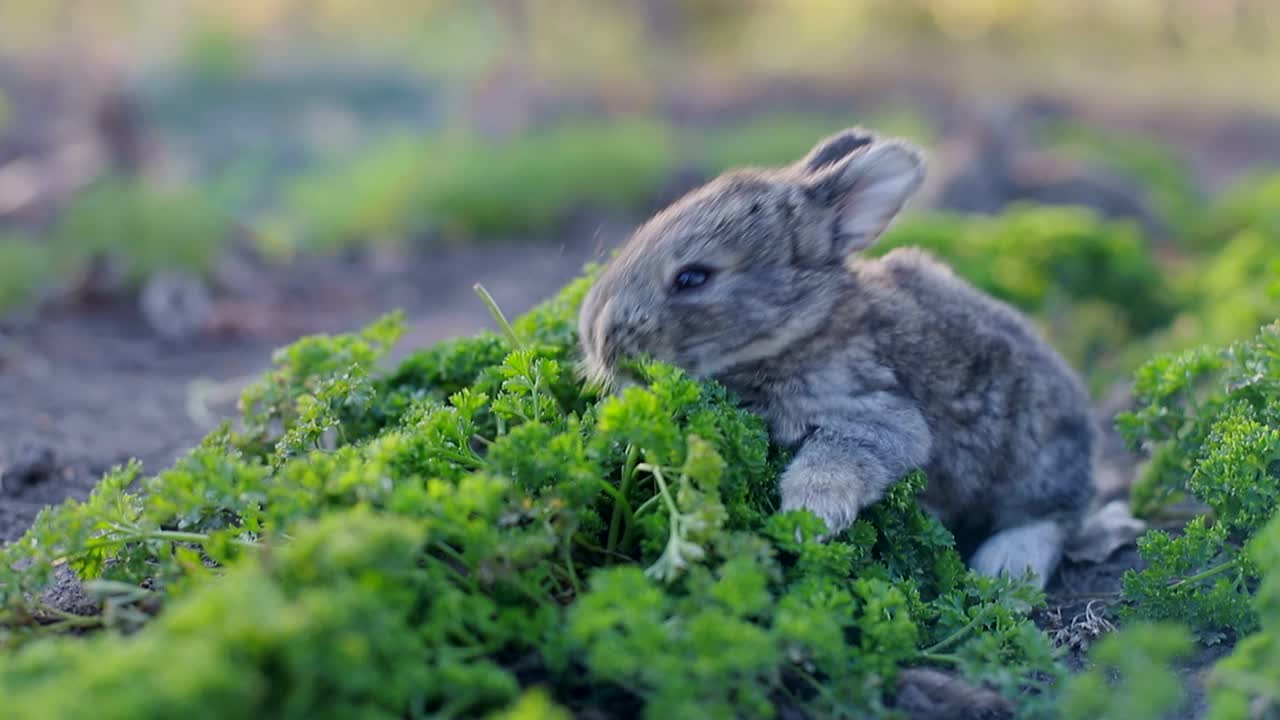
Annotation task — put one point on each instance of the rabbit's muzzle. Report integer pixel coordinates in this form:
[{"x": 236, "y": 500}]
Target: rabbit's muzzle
[{"x": 612, "y": 330}]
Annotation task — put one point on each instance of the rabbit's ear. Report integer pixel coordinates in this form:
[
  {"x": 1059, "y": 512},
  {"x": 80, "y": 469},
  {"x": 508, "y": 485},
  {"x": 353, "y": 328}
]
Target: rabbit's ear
[
  {"x": 832, "y": 149},
  {"x": 866, "y": 190}
]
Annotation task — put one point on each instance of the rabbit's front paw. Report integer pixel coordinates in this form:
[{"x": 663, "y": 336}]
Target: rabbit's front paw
[{"x": 826, "y": 495}]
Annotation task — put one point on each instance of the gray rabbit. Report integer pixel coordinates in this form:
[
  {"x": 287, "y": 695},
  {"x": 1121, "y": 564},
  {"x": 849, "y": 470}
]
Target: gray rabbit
[{"x": 868, "y": 368}]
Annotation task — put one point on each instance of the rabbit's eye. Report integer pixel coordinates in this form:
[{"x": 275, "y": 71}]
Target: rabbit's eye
[{"x": 690, "y": 277}]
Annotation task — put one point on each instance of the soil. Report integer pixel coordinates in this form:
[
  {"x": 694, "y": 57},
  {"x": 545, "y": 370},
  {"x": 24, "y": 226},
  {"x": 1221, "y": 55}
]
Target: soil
[{"x": 91, "y": 385}]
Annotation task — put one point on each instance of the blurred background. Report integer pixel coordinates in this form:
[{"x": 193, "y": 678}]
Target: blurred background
[
  {"x": 139, "y": 138},
  {"x": 186, "y": 184}
]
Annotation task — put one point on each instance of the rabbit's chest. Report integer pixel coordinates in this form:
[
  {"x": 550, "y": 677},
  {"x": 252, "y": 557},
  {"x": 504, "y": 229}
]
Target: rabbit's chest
[
  {"x": 788, "y": 424},
  {"x": 793, "y": 406}
]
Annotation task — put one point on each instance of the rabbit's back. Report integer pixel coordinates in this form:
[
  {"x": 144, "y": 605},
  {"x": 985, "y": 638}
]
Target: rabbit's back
[{"x": 1005, "y": 412}]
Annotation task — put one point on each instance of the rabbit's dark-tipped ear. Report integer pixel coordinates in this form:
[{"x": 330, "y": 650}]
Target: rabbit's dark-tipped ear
[
  {"x": 866, "y": 189},
  {"x": 832, "y": 149}
]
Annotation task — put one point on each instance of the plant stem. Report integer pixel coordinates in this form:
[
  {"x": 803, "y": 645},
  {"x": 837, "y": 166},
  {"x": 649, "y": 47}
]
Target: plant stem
[
  {"x": 954, "y": 637},
  {"x": 662, "y": 489},
  {"x": 133, "y": 534},
  {"x": 498, "y": 317},
  {"x": 70, "y": 620},
  {"x": 592, "y": 547},
  {"x": 628, "y": 476},
  {"x": 822, "y": 689},
  {"x": 466, "y": 578},
  {"x": 568, "y": 563},
  {"x": 644, "y": 506},
  {"x": 940, "y": 658},
  {"x": 535, "y": 396},
  {"x": 633, "y": 522},
  {"x": 191, "y": 537},
  {"x": 1215, "y": 570},
  {"x": 471, "y": 461}
]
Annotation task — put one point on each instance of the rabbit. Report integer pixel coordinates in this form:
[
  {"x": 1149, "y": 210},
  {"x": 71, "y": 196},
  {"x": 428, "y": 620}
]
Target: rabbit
[{"x": 866, "y": 368}]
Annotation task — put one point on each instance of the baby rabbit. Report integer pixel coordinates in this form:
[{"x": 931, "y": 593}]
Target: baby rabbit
[{"x": 868, "y": 368}]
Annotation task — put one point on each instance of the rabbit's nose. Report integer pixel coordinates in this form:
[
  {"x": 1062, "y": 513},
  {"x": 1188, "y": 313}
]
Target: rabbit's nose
[
  {"x": 623, "y": 332},
  {"x": 627, "y": 330},
  {"x": 619, "y": 330},
  {"x": 633, "y": 319}
]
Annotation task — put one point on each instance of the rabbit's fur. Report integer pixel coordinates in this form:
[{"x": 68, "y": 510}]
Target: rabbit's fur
[{"x": 868, "y": 368}]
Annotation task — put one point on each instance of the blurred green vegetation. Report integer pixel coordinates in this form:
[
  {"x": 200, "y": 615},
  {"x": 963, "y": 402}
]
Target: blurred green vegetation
[
  {"x": 1252, "y": 203},
  {"x": 780, "y": 138},
  {"x": 1231, "y": 281},
  {"x": 215, "y": 52},
  {"x": 464, "y": 185},
  {"x": 26, "y": 269},
  {"x": 456, "y": 185},
  {"x": 136, "y": 228},
  {"x": 144, "y": 229},
  {"x": 1035, "y": 256},
  {"x": 1162, "y": 173}
]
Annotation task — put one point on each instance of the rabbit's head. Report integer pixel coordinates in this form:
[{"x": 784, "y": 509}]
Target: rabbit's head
[{"x": 739, "y": 269}]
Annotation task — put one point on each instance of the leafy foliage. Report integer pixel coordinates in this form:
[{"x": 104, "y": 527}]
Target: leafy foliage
[
  {"x": 1252, "y": 204},
  {"x": 1130, "y": 678},
  {"x": 1241, "y": 686},
  {"x": 446, "y": 537},
  {"x": 1244, "y": 685},
  {"x": 1215, "y": 418},
  {"x": 1211, "y": 419}
]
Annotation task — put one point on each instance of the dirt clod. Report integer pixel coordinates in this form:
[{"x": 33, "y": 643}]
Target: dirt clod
[
  {"x": 28, "y": 465},
  {"x": 925, "y": 693},
  {"x": 66, "y": 594}
]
